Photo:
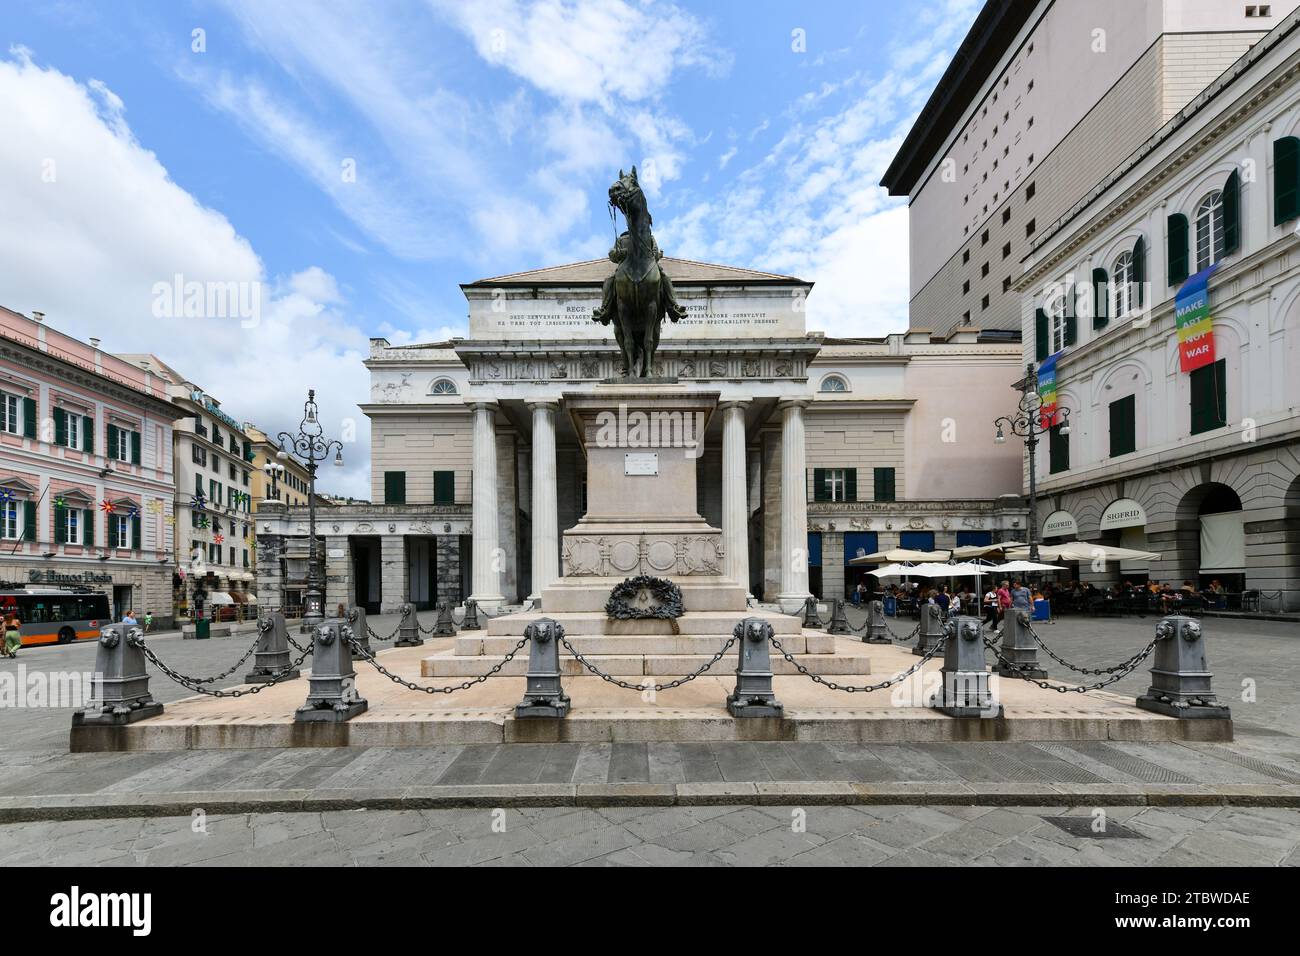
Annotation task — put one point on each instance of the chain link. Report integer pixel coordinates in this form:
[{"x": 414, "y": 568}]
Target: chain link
[
  {"x": 450, "y": 688},
  {"x": 1118, "y": 672},
  {"x": 866, "y": 688},
  {"x": 375, "y": 637},
  {"x": 1092, "y": 671},
  {"x": 193, "y": 685},
  {"x": 643, "y": 686}
]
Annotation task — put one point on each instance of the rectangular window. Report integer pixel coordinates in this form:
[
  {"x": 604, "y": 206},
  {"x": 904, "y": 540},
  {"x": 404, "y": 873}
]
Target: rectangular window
[
  {"x": 121, "y": 531},
  {"x": 1209, "y": 397},
  {"x": 1123, "y": 437},
  {"x": 72, "y": 525},
  {"x": 1029, "y": 228},
  {"x": 11, "y": 525},
  {"x": 1058, "y": 447},
  {"x": 883, "y": 484},
  {"x": 444, "y": 487},
  {"x": 198, "y": 454},
  {"x": 214, "y": 492},
  {"x": 916, "y": 540},
  {"x": 73, "y": 431},
  {"x": 394, "y": 487},
  {"x": 1030, "y": 189},
  {"x": 11, "y": 414}
]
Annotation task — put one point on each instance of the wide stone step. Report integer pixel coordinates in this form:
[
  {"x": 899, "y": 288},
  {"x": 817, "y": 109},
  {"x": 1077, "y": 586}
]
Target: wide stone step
[
  {"x": 697, "y": 622},
  {"x": 636, "y": 665},
  {"x": 473, "y": 643}
]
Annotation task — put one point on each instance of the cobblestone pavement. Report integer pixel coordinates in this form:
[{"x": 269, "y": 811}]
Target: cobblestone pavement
[
  {"x": 1256, "y": 667},
  {"x": 676, "y": 836}
]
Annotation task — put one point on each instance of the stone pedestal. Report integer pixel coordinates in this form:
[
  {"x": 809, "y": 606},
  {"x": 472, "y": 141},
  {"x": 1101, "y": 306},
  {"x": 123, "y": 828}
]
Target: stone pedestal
[{"x": 641, "y": 446}]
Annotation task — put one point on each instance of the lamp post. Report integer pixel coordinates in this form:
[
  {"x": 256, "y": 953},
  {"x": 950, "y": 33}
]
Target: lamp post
[
  {"x": 310, "y": 446},
  {"x": 273, "y": 471},
  {"x": 1028, "y": 424}
]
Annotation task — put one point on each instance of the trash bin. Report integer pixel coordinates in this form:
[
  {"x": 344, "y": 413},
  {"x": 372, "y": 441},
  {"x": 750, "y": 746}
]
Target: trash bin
[
  {"x": 202, "y": 629},
  {"x": 891, "y": 606}
]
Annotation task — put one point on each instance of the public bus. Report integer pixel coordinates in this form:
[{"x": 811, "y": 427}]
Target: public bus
[{"x": 54, "y": 615}]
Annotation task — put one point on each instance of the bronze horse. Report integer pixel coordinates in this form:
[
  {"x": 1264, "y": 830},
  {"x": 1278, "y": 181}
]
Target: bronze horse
[{"x": 639, "y": 294}]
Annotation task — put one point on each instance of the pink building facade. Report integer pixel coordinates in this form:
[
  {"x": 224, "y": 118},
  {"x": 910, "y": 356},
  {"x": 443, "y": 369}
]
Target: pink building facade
[{"x": 86, "y": 470}]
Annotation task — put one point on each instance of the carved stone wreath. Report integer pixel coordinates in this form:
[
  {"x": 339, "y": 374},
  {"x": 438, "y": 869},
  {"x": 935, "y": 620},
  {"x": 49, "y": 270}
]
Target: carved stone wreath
[{"x": 664, "y": 599}]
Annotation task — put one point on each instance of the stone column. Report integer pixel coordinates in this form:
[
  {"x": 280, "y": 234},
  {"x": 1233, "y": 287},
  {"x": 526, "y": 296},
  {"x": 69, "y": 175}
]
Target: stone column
[
  {"x": 448, "y": 555},
  {"x": 486, "y": 577},
  {"x": 794, "y": 509},
  {"x": 546, "y": 522},
  {"x": 735, "y": 500},
  {"x": 339, "y": 585},
  {"x": 393, "y": 585}
]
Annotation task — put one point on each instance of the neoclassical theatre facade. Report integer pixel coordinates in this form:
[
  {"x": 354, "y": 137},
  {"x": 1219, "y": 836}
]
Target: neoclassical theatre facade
[{"x": 824, "y": 448}]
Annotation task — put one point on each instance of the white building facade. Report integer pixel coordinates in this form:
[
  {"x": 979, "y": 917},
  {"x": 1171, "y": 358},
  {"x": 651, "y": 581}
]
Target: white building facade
[
  {"x": 816, "y": 450},
  {"x": 1197, "y": 459}
]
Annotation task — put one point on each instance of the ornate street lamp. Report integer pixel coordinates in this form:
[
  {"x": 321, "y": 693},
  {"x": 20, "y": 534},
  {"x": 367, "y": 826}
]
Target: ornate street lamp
[
  {"x": 1028, "y": 424},
  {"x": 310, "y": 446},
  {"x": 273, "y": 471}
]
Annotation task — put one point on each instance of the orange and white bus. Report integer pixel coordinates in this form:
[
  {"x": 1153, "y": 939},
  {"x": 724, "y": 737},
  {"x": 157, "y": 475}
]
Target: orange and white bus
[{"x": 53, "y": 615}]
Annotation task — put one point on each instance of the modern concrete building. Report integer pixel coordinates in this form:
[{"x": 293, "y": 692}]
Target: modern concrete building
[
  {"x": 1040, "y": 103},
  {"x": 1183, "y": 443},
  {"x": 85, "y": 469},
  {"x": 213, "y": 495},
  {"x": 816, "y": 448}
]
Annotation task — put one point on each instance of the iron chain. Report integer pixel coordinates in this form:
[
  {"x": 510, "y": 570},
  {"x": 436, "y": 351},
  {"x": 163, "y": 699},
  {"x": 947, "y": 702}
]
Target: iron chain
[
  {"x": 655, "y": 687},
  {"x": 1117, "y": 672},
  {"x": 190, "y": 684},
  {"x": 360, "y": 652},
  {"x": 850, "y": 688}
]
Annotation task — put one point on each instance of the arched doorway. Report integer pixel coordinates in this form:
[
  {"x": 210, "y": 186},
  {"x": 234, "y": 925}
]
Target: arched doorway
[{"x": 1218, "y": 548}]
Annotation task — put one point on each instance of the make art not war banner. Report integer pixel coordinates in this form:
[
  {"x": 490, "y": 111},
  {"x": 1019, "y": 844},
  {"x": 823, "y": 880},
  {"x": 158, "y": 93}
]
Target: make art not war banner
[
  {"x": 1047, "y": 391},
  {"x": 1195, "y": 326}
]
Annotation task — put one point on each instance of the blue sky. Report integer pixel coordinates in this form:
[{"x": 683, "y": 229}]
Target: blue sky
[{"x": 482, "y": 137}]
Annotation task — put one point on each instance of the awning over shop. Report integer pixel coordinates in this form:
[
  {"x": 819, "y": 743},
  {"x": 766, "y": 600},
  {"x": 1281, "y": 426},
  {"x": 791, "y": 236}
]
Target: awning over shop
[
  {"x": 1223, "y": 543},
  {"x": 1123, "y": 513},
  {"x": 220, "y": 597},
  {"x": 1060, "y": 524}
]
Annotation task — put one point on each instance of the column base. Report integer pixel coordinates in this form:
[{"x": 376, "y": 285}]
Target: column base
[
  {"x": 792, "y": 603},
  {"x": 488, "y": 602}
]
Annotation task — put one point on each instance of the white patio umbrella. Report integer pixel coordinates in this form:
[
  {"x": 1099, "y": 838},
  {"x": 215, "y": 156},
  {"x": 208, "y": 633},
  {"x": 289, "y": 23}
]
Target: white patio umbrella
[
  {"x": 1022, "y": 567},
  {"x": 1084, "y": 551},
  {"x": 899, "y": 554},
  {"x": 985, "y": 550},
  {"x": 892, "y": 571}
]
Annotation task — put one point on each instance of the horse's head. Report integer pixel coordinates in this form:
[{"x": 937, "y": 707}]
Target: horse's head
[{"x": 626, "y": 194}]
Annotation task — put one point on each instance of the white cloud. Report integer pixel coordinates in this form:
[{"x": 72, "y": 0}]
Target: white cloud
[
  {"x": 88, "y": 247},
  {"x": 726, "y": 157}
]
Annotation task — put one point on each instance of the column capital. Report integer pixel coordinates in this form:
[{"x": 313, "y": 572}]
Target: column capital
[
  {"x": 785, "y": 403},
  {"x": 537, "y": 403},
  {"x": 490, "y": 404},
  {"x": 733, "y": 403}
]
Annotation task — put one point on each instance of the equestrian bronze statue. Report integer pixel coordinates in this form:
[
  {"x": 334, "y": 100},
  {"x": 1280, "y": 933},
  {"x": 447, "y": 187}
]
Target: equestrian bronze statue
[{"x": 639, "y": 294}]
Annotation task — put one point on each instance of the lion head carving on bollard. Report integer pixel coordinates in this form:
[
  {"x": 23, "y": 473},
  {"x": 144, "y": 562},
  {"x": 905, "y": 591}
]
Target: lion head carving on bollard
[
  {"x": 1191, "y": 631},
  {"x": 325, "y": 635},
  {"x": 932, "y": 610},
  {"x": 970, "y": 630},
  {"x": 753, "y": 628},
  {"x": 109, "y": 637}
]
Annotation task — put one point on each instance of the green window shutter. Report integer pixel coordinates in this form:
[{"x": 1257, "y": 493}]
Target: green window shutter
[
  {"x": 88, "y": 527},
  {"x": 112, "y": 441},
  {"x": 198, "y": 485},
  {"x": 819, "y": 485},
  {"x": 1140, "y": 267},
  {"x": 444, "y": 487},
  {"x": 135, "y": 532},
  {"x": 1232, "y": 214},
  {"x": 1123, "y": 438},
  {"x": 60, "y": 525},
  {"x": 29, "y": 417},
  {"x": 850, "y": 484},
  {"x": 1058, "y": 450},
  {"x": 1071, "y": 329},
  {"x": 1100, "y": 299},
  {"x": 884, "y": 482},
  {"x": 1209, "y": 397},
  {"x": 60, "y": 427},
  {"x": 1286, "y": 179},
  {"x": 88, "y": 425},
  {"x": 1042, "y": 344},
  {"x": 1178, "y": 253},
  {"x": 29, "y": 521},
  {"x": 135, "y": 448},
  {"x": 394, "y": 487}
]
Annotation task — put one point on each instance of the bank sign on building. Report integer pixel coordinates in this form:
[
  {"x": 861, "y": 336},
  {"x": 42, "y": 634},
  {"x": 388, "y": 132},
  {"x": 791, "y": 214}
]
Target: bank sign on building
[{"x": 811, "y": 449}]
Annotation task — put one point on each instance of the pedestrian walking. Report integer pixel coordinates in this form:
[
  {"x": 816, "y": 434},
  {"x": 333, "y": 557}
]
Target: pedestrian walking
[
  {"x": 12, "y": 638},
  {"x": 148, "y": 621}
]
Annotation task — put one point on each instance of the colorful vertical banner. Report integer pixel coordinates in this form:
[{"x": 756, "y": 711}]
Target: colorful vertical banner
[
  {"x": 1195, "y": 326},
  {"x": 1047, "y": 391}
]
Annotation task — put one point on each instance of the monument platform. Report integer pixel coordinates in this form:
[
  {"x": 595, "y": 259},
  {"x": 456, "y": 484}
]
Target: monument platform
[{"x": 601, "y": 712}]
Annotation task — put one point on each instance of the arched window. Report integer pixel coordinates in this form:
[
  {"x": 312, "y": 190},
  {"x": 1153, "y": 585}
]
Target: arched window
[
  {"x": 1121, "y": 285},
  {"x": 1209, "y": 230},
  {"x": 443, "y": 386},
  {"x": 1056, "y": 320},
  {"x": 834, "y": 383}
]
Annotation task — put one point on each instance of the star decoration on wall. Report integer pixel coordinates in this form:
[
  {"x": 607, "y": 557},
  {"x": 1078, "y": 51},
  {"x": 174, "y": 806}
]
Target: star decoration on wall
[
  {"x": 203, "y": 522},
  {"x": 6, "y": 494},
  {"x": 219, "y": 538},
  {"x": 155, "y": 506},
  {"x": 170, "y": 520},
  {"x": 198, "y": 502},
  {"x": 107, "y": 507},
  {"x": 60, "y": 501}
]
